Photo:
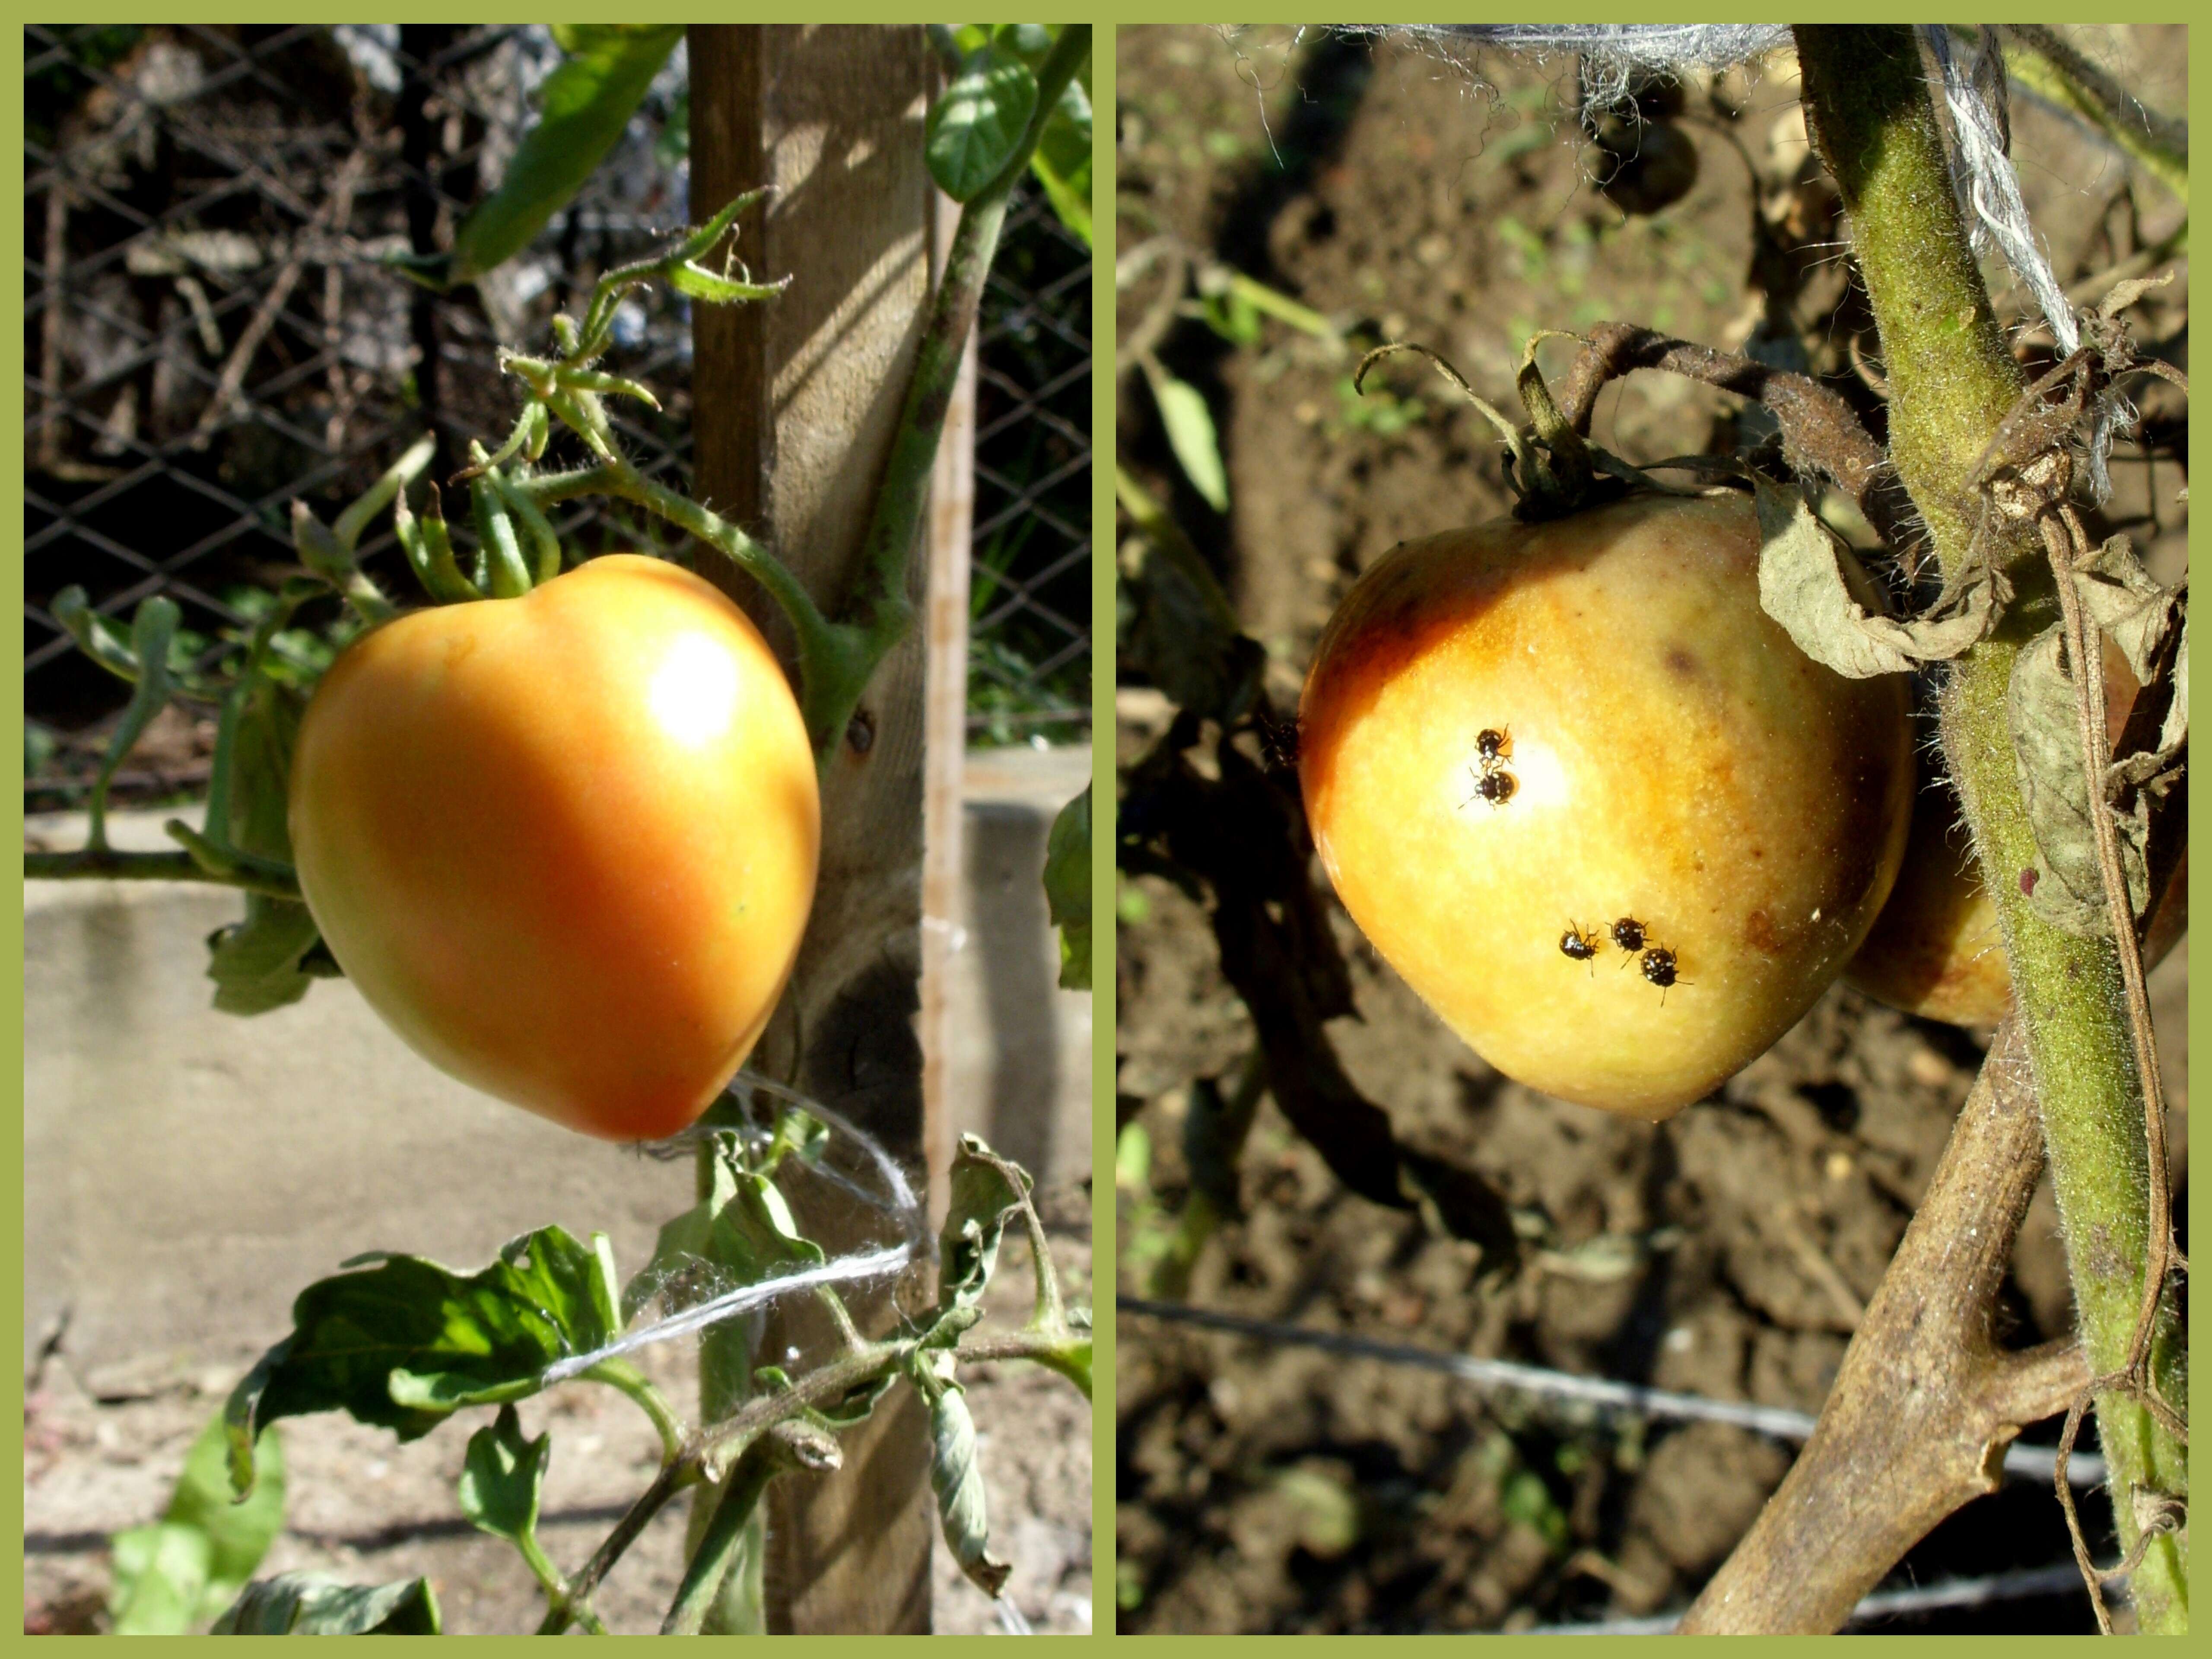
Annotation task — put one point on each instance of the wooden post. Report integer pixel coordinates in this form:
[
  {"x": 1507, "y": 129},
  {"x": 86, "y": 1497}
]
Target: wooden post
[
  {"x": 944, "y": 749},
  {"x": 796, "y": 402}
]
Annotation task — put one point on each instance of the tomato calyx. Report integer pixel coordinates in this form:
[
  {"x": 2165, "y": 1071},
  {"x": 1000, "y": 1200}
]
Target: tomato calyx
[{"x": 1553, "y": 469}]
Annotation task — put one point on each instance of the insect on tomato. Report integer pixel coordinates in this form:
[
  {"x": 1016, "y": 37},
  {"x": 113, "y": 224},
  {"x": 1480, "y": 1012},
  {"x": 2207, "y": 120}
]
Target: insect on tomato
[
  {"x": 1675, "y": 758},
  {"x": 565, "y": 844}
]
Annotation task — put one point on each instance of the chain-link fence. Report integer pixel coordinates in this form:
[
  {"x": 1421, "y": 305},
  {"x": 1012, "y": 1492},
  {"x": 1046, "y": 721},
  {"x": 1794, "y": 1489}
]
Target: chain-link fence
[
  {"x": 1029, "y": 652},
  {"x": 210, "y": 330}
]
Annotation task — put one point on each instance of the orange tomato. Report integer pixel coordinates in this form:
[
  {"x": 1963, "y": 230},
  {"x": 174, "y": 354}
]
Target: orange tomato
[
  {"x": 565, "y": 844},
  {"x": 1516, "y": 736},
  {"x": 1935, "y": 950}
]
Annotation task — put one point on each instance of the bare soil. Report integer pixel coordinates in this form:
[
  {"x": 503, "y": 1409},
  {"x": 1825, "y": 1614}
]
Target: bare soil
[
  {"x": 1725, "y": 1253},
  {"x": 102, "y": 1454}
]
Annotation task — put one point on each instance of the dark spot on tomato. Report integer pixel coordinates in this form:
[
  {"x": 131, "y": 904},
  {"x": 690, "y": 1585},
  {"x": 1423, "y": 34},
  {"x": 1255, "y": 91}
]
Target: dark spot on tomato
[
  {"x": 1758, "y": 932},
  {"x": 1681, "y": 662}
]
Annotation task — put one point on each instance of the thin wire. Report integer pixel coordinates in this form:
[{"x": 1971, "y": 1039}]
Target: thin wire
[
  {"x": 1883, "y": 1604},
  {"x": 885, "y": 1262},
  {"x": 2024, "y": 1462},
  {"x": 845, "y": 1270}
]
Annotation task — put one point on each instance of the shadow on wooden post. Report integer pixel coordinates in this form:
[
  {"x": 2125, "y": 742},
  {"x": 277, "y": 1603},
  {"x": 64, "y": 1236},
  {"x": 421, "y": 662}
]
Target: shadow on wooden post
[{"x": 796, "y": 405}]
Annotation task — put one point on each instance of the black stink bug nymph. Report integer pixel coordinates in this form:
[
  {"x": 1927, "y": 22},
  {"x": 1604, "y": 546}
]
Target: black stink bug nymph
[
  {"x": 1658, "y": 964},
  {"x": 1578, "y": 945},
  {"x": 1496, "y": 788},
  {"x": 1628, "y": 934},
  {"x": 1492, "y": 745}
]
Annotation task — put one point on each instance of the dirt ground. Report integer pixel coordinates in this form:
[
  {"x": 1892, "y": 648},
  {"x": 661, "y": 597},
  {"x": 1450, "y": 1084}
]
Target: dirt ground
[
  {"x": 1726, "y": 1253},
  {"x": 102, "y": 1454}
]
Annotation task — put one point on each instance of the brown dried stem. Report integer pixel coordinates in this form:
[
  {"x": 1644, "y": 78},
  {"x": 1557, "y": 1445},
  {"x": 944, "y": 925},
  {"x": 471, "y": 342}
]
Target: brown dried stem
[
  {"x": 2069, "y": 547},
  {"x": 1822, "y": 432},
  {"x": 1925, "y": 1402}
]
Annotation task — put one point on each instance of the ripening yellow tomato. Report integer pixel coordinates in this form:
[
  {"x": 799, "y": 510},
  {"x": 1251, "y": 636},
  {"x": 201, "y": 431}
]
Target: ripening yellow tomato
[
  {"x": 565, "y": 844},
  {"x": 1515, "y": 738},
  {"x": 1935, "y": 950}
]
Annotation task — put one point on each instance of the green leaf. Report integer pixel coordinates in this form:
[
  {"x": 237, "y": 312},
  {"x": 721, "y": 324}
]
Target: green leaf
[
  {"x": 315, "y": 1604},
  {"x": 986, "y": 1190},
  {"x": 161, "y": 1579},
  {"x": 1030, "y": 42},
  {"x": 152, "y": 627},
  {"x": 388, "y": 486},
  {"x": 585, "y": 106},
  {"x": 503, "y": 1477},
  {"x": 40, "y": 743},
  {"x": 957, "y": 1478},
  {"x": 847, "y": 1409},
  {"x": 1073, "y": 1362},
  {"x": 239, "y": 1535},
  {"x": 255, "y": 963},
  {"x": 96, "y": 635},
  {"x": 593, "y": 379},
  {"x": 1067, "y": 890},
  {"x": 429, "y": 549},
  {"x": 407, "y": 1326},
  {"x": 974, "y": 129},
  {"x": 702, "y": 240},
  {"x": 1061, "y": 160},
  {"x": 696, "y": 282},
  {"x": 318, "y": 547},
  {"x": 1190, "y": 431},
  {"x": 510, "y": 575}
]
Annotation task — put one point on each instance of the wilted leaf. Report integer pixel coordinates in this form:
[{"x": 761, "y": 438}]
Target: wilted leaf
[
  {"x": 2175, "y": 731},
  {"x": 974, "y": 130},
  {"x": 741, "y": 1233},
  {"x": 1809, "y": 582},
  {"x": 2121, "y": 599},
  {"x": 986, "y": 1191},
  {"x": 957, "y": 1480},
  {"x": 315, "y": 1604},
  {"x": 2046, "y": 735}
]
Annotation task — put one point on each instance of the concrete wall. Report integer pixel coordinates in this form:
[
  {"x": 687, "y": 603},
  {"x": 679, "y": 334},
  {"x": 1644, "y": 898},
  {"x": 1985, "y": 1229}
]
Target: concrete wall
[{"x": 187, "y": 1172}]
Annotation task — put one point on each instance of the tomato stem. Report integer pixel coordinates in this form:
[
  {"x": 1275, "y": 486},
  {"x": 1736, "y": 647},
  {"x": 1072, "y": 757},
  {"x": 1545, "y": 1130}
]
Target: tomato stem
[
  {"x": 1953, "y": 382},
  {"x": 878, "y": 610}
]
